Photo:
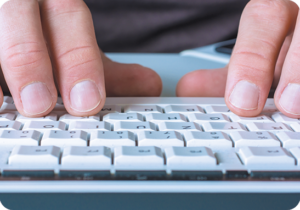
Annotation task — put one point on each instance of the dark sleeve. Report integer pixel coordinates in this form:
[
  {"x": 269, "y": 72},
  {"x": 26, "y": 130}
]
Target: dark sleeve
[{"x": 163, "y": 25}]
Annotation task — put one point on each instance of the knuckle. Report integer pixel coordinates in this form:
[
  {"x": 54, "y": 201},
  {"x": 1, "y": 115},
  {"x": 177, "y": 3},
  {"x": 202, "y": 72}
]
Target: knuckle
[
  {"x": 251, "y": 71},
  {"x": 76, "y": 57},
  {"x": 277, "y": 10},
  {"x": 249, "y": 56},
  {"x": 24, "y": 55},
  {"x": 59, "y": 7}
]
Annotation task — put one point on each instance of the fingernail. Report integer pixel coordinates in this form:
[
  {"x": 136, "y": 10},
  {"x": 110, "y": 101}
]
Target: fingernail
[
  {"x": 245, "y": 95},
  {"x": 36, "y": 98},
  {"x": 290, "y": 99},
  {"x": 85, "y": 96}
]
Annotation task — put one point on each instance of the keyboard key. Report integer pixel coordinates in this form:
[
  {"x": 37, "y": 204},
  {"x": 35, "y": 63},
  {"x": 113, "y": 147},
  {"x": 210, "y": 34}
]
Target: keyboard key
[
  {"x": 8, "y": 107},
  {"x": 16, "y": 137},
  {"x": 110, "y": 109},
  {"x": 275, "y": 175},
  {"x": 7, "y": 117},
  {"x": 140, "y": 175},
  {"x": 23, "y": 119},
  {"x": 28, "y": 173},
  {"x": 271, "y": 127},
  {"x": 64, "y": 138},
  {"x": 207, "y": 139},
  {"x": 295, "y": 126},
  {"x": 179, "y": 126},
  {"x": 252, "y": 156},
  {"x": 227, "y": 157},
  {"x": 32, "y": 155},
  {"x": 233, "y": 174},
  {"x": 130, "y": 157},
  {"x": 246, "y": 120},
  {"x": 201, "y": 118},
  {"x": 196, "y": 175},
  {"x": 8, "y": 100},
  {"x": 225, "y": 127},
  {"x": 279, "y": 117},
  {"x": 85, "y": 174},
  {"x": 142, "y": 109},
  {"x": 289, "y": 139},
  {"x": 95, "y": 157},
  {"x": 89, "y": 126},
  {"x": 160, "y": 139},
  {"x": 129, "y": 117},
  {"x": 183, "y": 109},
  {"x": 254, "y": 139},
  {"x": 296, "y": 152},
  {"x": 43, "y": 126},
  {"x": 183, "y": 156},
  {"x": 10, "y": 125},
  {"x": 217, "y": 109},
  {"x": 112, "y": 138},
  {"x": 67, "y": 118},
  {"x": 134, "y": 126},
  {"x": 157, "y": 118}
]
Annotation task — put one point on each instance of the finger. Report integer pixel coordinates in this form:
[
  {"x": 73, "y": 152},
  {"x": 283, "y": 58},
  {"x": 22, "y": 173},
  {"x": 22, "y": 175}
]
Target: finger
[
  {"x": 130, "y": 80},
  {"x": 24, "y": 58},
  {"x": 203, "y": 83},
  {"x": 263, "y": 28},
  {"x": 287, "y": 95},
  {"x": 78, "y": 69}
]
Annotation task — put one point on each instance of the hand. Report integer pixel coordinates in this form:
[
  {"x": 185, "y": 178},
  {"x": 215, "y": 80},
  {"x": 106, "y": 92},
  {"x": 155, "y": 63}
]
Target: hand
[
  {"x": 266, "y": 54},
  {"x": 50, "y": 45}
]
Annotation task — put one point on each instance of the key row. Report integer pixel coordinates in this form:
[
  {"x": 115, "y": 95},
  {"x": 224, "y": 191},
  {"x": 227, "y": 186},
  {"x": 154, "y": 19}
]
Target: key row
[
  {"x": 214, "y": 140},
  {"x": 149, "y": 157}
]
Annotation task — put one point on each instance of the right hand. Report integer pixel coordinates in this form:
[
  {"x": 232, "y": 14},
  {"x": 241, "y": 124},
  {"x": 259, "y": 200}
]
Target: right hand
[{"x": 50, "y": 45}]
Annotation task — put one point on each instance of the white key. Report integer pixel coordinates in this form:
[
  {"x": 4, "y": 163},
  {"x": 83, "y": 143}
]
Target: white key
[
  {"x": 129, "y": 117},
  {"x": 64, "y": 138},
  {"x": 8, "y": 107},
  {"x": 112, "y": 138},
  {"x": 271, "y": 127},
  {"x": 8, "y": 100},
  {"x": 34, "y": 155},
  {"x": 67, "y": 118},
  {"x": 201, "y": 118},
  {"x": 246, "y": 120},
  {"x": 23, "y": 119},
  {"x": 43, "y": 126},
  {"x": 225, "y": 127},
  {"x": 296, "y": 152},
  {"x": 134, "y": 126},
  {"x": 7, "y": 117},
  {"x": 89, "y": 126},
  {"x": 10, "y": 125},
  {"x": 143, "y": 109},
  {"x": 141, "y": 157},
  {"x": 59, "y": 101},
  {"x": 217, "y": 109},
  {"x": 207, "y": 139},
  {"x": 279, "y": 117},
  {"x": 252, "y": 156},
  {"x": 183, "y": 109},
  {"x": 179, "y": 126},
  {"x": 182, "y": 156},
  {"x": 289, "y": 139},
  {"x": 228, "y": 157},
  {"x": 15, "y": 137},
  {"x": 156, "y": 118},
  {"x": 160, "y": 139},
  {"x": 110, "y": 109},
  {"x": 86, "y": 156},
  {"x": 295, "y": 126},
  {"x": 254, "y": 139}
]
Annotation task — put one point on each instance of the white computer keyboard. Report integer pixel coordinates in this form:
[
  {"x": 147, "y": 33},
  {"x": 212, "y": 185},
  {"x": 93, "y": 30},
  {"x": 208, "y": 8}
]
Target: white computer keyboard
[{"x": 150, "y": 139}]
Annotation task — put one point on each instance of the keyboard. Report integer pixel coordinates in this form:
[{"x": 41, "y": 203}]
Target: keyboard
[{"x": 150, "y": 142}]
